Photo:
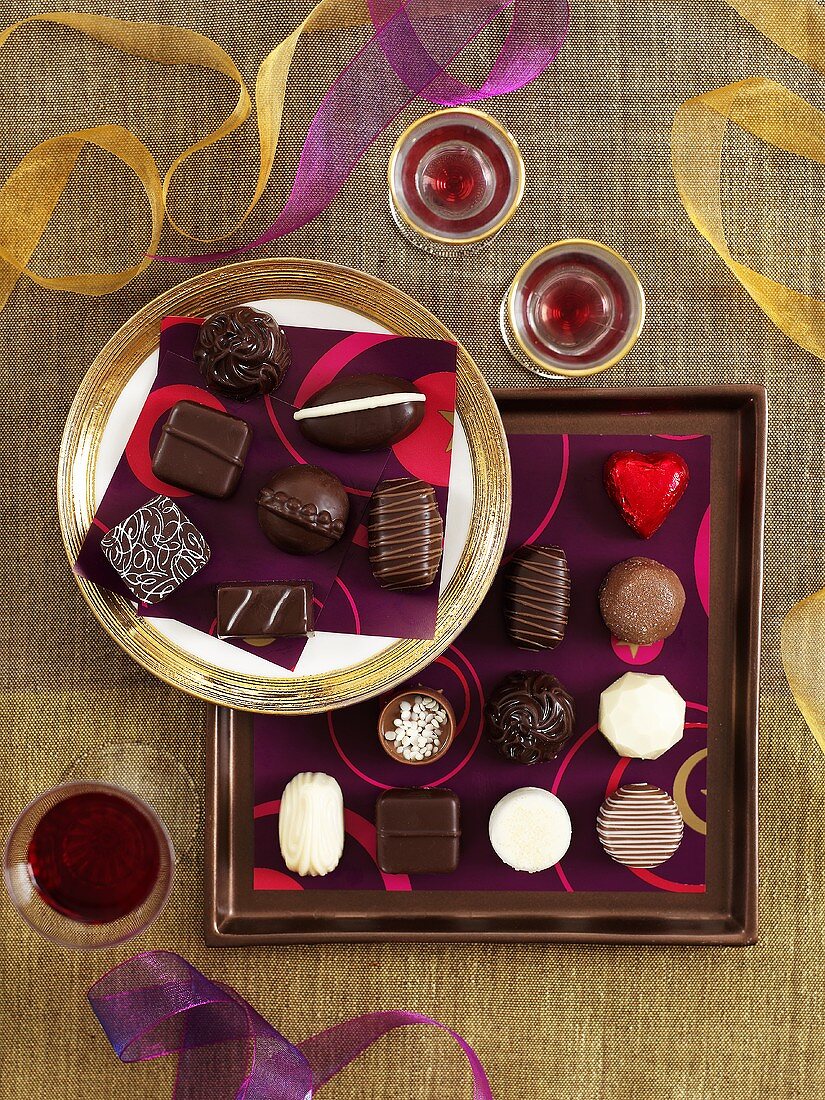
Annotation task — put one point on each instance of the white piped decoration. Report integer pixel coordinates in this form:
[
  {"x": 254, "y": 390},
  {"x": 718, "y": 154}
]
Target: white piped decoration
[
  {"x": 311, "y": 824},
  {"x": 530, "y": 829},
  {"x": 358, "y": 404},
  {"x": 642, "y": 716}
]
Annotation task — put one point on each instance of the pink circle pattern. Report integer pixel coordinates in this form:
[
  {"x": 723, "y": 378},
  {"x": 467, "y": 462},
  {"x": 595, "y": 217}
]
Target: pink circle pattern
[
  {"x": 701, "y": 562},
  {"x": 636, "y": 655},
  {"x": 425, "y": 453},
  {"x": 613, "y": 782}
]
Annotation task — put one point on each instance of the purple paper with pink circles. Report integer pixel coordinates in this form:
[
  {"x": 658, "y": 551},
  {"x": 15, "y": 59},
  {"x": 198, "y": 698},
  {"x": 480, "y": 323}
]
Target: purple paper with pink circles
[
  {"x": 347, "y": 597},
  {"x": 558, "y": 499}
]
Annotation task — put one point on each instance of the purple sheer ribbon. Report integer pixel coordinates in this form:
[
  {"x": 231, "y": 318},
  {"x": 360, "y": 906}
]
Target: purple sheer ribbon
[
  {"x": 157, "y": 1004},
  {"x": 407, "y": 57}
]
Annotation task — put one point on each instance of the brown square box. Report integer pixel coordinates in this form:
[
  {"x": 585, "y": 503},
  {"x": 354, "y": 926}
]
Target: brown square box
[{"x": 735, "y": 416}]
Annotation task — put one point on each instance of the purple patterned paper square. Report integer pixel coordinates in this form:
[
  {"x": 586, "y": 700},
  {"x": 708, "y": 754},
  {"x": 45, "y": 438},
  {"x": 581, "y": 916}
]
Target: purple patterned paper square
[
  {"x": 347, "y": 598},
  {"x": 558, "y": 500}
]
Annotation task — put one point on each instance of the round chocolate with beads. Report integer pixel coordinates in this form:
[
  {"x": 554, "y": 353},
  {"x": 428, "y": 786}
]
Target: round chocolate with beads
[
  {"x": 242, "y": 352},
  {"x": 529, "y": 717},
  {"x": 639, "y": 825},
  {"x": 303, "y": 509},
  {"x": 641, "y": 601}
]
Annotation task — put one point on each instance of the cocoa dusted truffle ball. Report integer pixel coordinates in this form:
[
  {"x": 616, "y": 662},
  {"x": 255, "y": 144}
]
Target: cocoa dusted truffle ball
[
  {"x": 641, "y": 601},
  {"x": 242, "y": 353},
  {"x": 529, "y": 717}
]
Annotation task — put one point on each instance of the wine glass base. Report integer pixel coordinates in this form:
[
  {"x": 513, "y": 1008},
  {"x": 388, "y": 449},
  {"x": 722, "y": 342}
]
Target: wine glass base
[
  {"x": 561, "y": 376},
  {"x": 435, "y": 248},
  {"x": 154, "y": 776}
]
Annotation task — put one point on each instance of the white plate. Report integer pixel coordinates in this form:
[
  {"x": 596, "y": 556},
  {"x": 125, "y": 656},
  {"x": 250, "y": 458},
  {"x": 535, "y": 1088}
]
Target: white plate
[
  {"x": 325, "y": 652},
  {"x": 335, "y": 669}
]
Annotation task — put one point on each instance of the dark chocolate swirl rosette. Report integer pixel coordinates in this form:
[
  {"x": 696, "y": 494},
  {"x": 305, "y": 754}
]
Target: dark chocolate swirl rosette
[
  {"x": 529, "y": 717},
  {"x": 242, "y": 352}
]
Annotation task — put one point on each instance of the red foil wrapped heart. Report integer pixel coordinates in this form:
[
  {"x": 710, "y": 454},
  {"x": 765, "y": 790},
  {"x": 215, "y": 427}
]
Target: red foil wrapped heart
[{"x": 645, "y": 487}]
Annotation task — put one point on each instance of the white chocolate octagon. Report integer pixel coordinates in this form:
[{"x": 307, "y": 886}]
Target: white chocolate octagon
[{"x": 642, "y": 716}]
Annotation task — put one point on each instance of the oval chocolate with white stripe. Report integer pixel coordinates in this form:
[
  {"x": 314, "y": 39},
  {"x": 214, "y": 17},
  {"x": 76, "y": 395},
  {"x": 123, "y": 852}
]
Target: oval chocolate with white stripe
[
  {"x": 363, "y": 412},
  {"x": 639, "y": 825}
]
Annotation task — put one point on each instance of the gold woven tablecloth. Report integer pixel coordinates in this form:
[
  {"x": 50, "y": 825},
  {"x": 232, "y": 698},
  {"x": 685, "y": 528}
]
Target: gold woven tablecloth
[{"x": 573, "y": 1023}]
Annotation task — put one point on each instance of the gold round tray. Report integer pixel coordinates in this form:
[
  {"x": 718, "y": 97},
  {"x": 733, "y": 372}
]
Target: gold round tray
[{"x": 371, "y": 298}]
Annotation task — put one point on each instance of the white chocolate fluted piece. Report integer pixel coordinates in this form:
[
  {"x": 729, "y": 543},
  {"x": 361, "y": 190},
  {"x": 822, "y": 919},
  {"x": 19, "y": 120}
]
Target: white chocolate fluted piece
[{"x": 311, "y": 824}]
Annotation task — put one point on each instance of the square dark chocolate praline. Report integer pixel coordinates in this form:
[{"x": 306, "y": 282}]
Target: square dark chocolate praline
[
  {"x": 418, "y": 831},
  {"x": 202, "y": 449},
  {"x": 155, "y": 549},
  {"x": 265, "y": 610}
]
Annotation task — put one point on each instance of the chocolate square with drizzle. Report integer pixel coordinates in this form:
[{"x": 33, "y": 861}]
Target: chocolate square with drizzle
[{"x": 265, "y": 610}]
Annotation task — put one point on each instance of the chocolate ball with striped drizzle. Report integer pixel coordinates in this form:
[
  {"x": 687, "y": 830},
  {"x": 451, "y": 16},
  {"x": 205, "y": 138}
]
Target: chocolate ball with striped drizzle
[
  {"x": 537, "y": 597},
  {"x": 406, "y": 534},
  {"x": 639, "y": 825}
]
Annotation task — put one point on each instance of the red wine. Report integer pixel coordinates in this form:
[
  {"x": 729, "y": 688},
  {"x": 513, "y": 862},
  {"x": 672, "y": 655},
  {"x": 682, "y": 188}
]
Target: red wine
[
  {"x": 456, "y": 174},
  {"x": 453, "y": 180},
  {"x": 575, "y": 308},
  {"x": 94, "y": 857}
]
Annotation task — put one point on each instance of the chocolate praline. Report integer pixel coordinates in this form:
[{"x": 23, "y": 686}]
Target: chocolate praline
[
  {"x": 277, "y": 610},
  {"x": 537, "y": 597},
  {"x": 529, "y": 717},
  {"x": 641, "y": 601},
  {"x": 202, "y": 450},
  {"x": 417, "y": 831},
  {"x": 155, "y": 549},
  {"x": 639, "y": 825},
  {"x": 242, "y": 352},
  {"x": 362, "y": 412},
  {"x": 303, "y": 509},
  {"x": 406, "y": 534}
]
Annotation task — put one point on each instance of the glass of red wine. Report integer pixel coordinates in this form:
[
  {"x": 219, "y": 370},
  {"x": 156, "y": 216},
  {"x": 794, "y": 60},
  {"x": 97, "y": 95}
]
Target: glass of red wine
[
  {"x": 455, "y": 178},
  {"x": 575, "y": 308},
  {"x": 88, "y": 865}
]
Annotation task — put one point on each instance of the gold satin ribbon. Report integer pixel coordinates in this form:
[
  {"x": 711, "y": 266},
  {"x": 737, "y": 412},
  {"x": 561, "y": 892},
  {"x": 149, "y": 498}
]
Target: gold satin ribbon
[
  {"x": 803, "y": 658},
  {"x": 31, "y": 193},
  {"x": 774, "y": 114}
]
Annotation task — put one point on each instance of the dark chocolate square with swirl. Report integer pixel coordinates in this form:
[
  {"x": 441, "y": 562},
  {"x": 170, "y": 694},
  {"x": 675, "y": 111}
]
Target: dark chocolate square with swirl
[{"x": 155, "y": 549}]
